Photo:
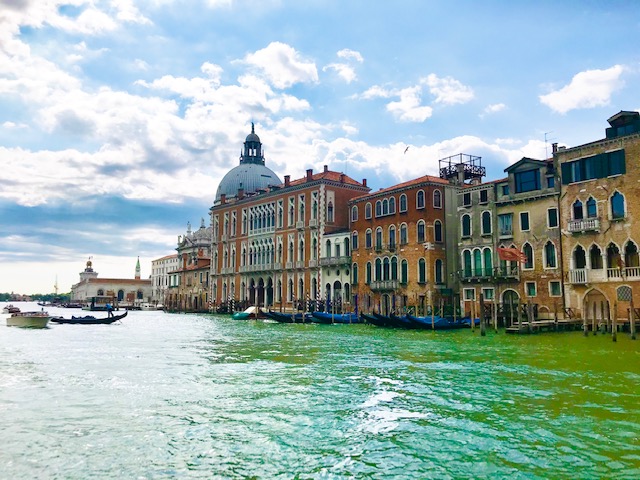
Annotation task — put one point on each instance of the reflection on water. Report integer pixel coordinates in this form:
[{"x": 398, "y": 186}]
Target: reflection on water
[{"x": 197, "y": 396}]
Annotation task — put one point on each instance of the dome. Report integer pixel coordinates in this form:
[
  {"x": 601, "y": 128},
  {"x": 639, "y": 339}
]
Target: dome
[
  {"x": 252, "y": 137},
  {"x": 248, "y": 176}
]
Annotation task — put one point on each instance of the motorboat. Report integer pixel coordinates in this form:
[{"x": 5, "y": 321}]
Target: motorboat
[
  {"x": 28, "y": 319},
  {"x": 10, "y": 309}
]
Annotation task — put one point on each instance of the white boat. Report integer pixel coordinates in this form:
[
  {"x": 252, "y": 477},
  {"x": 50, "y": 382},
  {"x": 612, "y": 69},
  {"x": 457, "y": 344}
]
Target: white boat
[
  {"x": 28, "y": 319},
  {"x": 10, "y": 309},
  {"x": 151, "y": 306}
]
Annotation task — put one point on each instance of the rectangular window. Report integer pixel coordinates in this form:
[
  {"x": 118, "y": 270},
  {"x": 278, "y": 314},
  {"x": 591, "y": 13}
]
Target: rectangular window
[
  {"x": 530, "y": 288},
  {"x": 527, "y": 181},
  {"x": 487, "y": 293},
  {"x": 505, "y": 224},
  {"x": 554, "y": 289},
  {"x": 524, "y": 221},
  {"x": 597, "y": 166},
  {"x": 466, "y": 199},
  {"x": 484, "y": 196},
  {"x": 505, "y": 189},
  {"x": 469, "y": 293},
  {"x": 551, "y": 182},
  {"x": 552, "y": 218}
]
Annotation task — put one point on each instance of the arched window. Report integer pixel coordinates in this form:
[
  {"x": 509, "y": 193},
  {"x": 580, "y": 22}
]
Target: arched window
[
  {"x": 385, "y": 207},
  {"x": 403, "y": 234},
  {"x": 613, "y": 256},
  {"x": 392, "y": 205},
  {"x": 617, "y": 206},
  {"x": 466, "y": 225},
  {"x": 437, "y": 199},
  {"x": 437, "y": 230},
  {"x": 368, "y": 242},
  {"x": 330, "y": 212},
  {"x": 403, "y": 203},
  {"x": 354, "y": 273},
  {"x": 577, "y": 210},
  {"x": 550, "y": 255},
  {"x": 631, "y": 255},
  {"x": 367, "y": 211},
  {"x": 354, "y": 241},
  {"x": 378, "y": 269},
  {"x": 368, "y": 273},
  {"x": 477, "y": 263},
  {"x": 386, "y": 269},
  {"x": 404, "y": 271},
  {"x": 394, "y": 268},
  {"x": 466, "y": 263},
  {"x": 595, "y": 257},
  {"x": 527, "y": 249},
  {"x": 592, "y": 210},
  {"x": 392, "y": 237},
  {"x": 420, "y": 199},
  {"x": 486, "y": 223},
  {"x": 354, "y": 213},
  {"x": 378, "y": 208},
  {"x": 327, "y": 249},
  {"x": 379, "y": 238},
  {"x": 438, "y": 274},
  {"x": 421, "y": 231},
  {"x": 422, "y": 271},
  {"x": 579, "y": 258},
  {"x": 488, "y": 262}
]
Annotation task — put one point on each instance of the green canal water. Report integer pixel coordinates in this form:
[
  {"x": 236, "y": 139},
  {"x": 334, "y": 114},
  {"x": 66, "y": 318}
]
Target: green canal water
[{"x": 197, "y": 396}]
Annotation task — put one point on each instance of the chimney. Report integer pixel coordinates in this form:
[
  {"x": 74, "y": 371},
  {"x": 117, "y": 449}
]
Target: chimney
[
  {"x": 364, "y": 182},
  {"x": 309, "y": 175},
  {"x": 326, "y": 169},
  {"x": 240, "y": 193},
  {"x": 287, "y": 179},
  {"x": 554, "y": 147},
  {"x": 342, "y": 178},
  {"x": 223, "y": 198}
]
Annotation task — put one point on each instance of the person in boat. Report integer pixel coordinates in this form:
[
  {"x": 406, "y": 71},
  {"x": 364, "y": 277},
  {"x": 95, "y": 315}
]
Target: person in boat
[{"x": 109, "y": 310}]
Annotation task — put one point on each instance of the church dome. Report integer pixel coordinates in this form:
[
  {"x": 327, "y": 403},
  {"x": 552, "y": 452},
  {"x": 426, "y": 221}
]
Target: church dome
[
  {"x": 249, "y": 176},
  {"x": 252, "y": 174}
]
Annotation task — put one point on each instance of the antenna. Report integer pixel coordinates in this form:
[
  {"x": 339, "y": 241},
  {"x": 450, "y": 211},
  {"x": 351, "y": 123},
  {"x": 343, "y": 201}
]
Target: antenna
[{"x": 546, "y": 152}]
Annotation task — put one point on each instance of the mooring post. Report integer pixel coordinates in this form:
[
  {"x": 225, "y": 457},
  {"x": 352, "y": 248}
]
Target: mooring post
[
  {"x": 483, "y": 328},
  {"x": 585, "y": 326},
  {"x": 495, "y": 313},
  {"x": 519, "y": 313},
  {"x": 632, "y": 325},
  {"x": 530, "y": 315},
  {"x": 614, "y": 327},
  {"x": 555, "y": 315},
  {"x": 473, "y": 315}
]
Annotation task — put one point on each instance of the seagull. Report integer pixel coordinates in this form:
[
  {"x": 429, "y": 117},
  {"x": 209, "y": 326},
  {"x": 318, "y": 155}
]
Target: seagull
[{"x": 405, "y": 150}]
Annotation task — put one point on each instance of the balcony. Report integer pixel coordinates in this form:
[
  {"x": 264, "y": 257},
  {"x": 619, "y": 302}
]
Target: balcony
[
  {"x": 300, "y": 264},
  {"x": 492, "y": 275},
  {"x": 383, "y": 285},
  {"x": 288, "y": 265},
  {"x": 584, "y": 225},
  {"x": 632, "y": 272},
  {"x": 300, "y": 225},
  {"x": 614, "y": 273},
  {"x": 313, "y": 263},
  {"x": 224, "y": 237},
  {"x": 392, "y": 247},
  {"x": 578, "y": 276},
  {"x": 505, "y": 233},
  {"x": 277, "y": 266},
  {"x": 334, "y": 261},
  {"x": 313, "y": 223}
]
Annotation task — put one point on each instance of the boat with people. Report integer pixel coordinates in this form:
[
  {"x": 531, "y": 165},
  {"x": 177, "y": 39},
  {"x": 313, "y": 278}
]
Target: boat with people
[
  {"x": 10, "y": 309},
  {"x": 88, "y": 320},
  {"x": 328, "y": 318},
  {"x": 28, "y": 319},
  {"x": 250, "y": 313}
]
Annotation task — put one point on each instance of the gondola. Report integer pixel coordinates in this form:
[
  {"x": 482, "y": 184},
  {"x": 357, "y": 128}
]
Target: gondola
[
  {"x": 439, "y": 323},
  {"x": 88, "y": 320},
  {"x": 395, "y": 321},
  {"x": 366, "y": 318},
  {"x": 288, "y": 317},
  {"x": 328, "y": 318}
]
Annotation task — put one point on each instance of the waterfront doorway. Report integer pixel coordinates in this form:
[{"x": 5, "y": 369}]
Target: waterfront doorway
[{"x": 595, "y": 310}]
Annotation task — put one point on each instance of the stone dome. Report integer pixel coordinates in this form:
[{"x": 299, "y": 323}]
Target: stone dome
[
  {"x": 249, "y": 176},
  {"x": 252, "y": 174}
]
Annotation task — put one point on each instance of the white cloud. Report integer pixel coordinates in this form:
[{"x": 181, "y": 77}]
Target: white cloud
[
  {"x": 377, "y": 92},
  {"x": 345, "y": 71},
  {"x": 408, "y": 108},
  {"x": 491, "y": 109},
  {"x": 282, "y": 65},
  {"x": 12, "y": 125},
  {"x": 588, "y": 89},
  {"x": 447, "y": 90},
  {"x": 350, "y": 55}
]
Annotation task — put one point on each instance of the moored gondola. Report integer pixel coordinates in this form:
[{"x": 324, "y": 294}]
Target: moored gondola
[{"x": 88, "y": 320}]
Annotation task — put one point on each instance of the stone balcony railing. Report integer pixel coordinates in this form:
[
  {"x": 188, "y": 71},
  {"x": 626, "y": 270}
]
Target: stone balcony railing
[
  {"x": 584, "y": 225},
  {"x": 334, "y": 261}
]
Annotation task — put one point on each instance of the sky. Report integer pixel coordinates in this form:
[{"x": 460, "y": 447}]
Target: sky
[{"x": 119, "y": 118}]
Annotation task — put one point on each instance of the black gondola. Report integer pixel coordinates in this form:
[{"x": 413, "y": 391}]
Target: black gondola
[{"x": 88, "y": 320}]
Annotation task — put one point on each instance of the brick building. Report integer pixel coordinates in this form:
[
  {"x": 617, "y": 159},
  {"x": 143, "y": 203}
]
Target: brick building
[
  {"x": 267, "y": 234},
  {"x": 599, "y": 204}
]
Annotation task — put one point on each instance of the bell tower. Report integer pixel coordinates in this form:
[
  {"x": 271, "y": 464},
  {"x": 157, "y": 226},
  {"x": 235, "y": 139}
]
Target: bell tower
[{"x": 138, "y": 269}]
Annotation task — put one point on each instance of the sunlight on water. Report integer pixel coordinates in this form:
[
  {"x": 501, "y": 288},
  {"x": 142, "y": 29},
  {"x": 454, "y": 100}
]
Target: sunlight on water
[{"x": 198, "y": 396}]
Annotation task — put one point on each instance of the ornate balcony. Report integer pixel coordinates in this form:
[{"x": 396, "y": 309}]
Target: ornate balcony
[
  {"x": 383, "y": 285},
  {"x": 334, "y": 261},
  {"x": 300, "y": 225},
  {"x": 584, "y": 225},
  {"x": 578, "y": 276},
  {"x": 313, "y": 223}
]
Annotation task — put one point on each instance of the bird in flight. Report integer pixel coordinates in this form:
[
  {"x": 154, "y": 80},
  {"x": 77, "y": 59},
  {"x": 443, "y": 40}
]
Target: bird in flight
[{"x": 405, "y": 150}]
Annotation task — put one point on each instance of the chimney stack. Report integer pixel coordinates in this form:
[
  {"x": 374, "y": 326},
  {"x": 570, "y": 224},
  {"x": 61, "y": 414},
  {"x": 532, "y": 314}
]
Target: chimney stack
[
  {"x": 326, "y": 169},
  {"x": 287, "y": 180},
  {"x": 554, "y": 147},
  {"x": 342, "y": 178},
  {"x": 364, "y": 182},
  {"x": 309, "y": 175}
]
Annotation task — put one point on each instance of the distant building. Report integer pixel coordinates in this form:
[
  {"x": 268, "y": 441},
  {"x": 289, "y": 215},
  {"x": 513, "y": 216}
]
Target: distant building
[
  {"x": 124, "y": 292},
  {"x": 335, "y": 260},
  {"x": 160, "y": 277}
]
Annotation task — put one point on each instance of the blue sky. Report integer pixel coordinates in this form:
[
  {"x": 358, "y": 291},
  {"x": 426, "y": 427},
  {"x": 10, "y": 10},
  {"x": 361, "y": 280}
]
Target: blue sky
[{"x": 119, "y": 118}]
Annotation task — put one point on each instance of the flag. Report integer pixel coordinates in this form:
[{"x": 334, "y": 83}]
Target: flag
[{"x": 511, "y": 255}]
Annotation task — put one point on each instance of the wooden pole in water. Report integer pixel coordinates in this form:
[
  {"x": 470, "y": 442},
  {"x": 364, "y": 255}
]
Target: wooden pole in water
[
  {"x": 555, "y": 315},
  {"x": 495, "y": 313},
  {"x": 519, "y": 313},
  {"x": 614, "y": 327},
  {"x": 585, "y": 326},
  {"x": 473, "y": 315},
  {"x": 593, "y": 322},
  {"x": 604, "y": 319},
  {"x": 530, "y": 315},
  {"x": 433, "y": 321},
  {"x": 483, "y": 328},
  {"x": 632, "y": 324}
]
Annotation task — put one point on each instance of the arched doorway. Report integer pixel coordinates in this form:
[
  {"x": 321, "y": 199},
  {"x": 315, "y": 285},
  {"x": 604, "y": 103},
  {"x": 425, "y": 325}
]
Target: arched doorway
[
  {"x": 595, "y": 309},
  {"x": 510, "y": 302},
  {"x": 260, "y": 292},
  {"x": 252, "y": 292},
  {"x": 269, "y": 293},
  {"x": 385, "y": 304},
  {"x": 337, "y": 295}
]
